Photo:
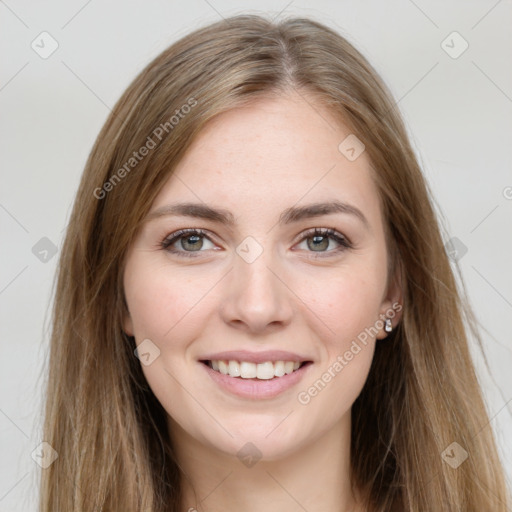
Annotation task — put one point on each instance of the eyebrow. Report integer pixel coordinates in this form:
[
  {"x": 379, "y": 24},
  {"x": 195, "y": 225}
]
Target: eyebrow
[{"x": 288, "y": 216}]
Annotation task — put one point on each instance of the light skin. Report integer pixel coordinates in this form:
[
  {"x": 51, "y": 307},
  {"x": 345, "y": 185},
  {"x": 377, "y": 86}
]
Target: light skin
[{"x": 298, "y": 296}]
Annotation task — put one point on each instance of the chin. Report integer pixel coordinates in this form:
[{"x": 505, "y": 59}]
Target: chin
[{"x": 256, "y": 442}]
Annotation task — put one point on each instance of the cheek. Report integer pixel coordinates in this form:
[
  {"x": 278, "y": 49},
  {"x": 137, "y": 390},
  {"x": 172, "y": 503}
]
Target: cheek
[
  {"x": 347, "y": 304},
  {"x": 163, "y": 304},
  {"x": 159, "y": 299},
  {"x": 330, "y": 393},
  {"x": 349, "y": 307}
]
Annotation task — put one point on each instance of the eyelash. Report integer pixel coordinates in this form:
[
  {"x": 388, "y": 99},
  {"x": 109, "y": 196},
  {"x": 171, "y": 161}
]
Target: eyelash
[{"x": 324, "y": 232}]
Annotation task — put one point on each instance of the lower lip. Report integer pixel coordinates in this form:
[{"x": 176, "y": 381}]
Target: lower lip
[{"x": 257, "y": 389}]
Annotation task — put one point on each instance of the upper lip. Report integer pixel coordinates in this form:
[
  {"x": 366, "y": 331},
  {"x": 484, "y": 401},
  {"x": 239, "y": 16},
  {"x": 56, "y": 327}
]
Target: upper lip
[{"x": 255, "y": 357}]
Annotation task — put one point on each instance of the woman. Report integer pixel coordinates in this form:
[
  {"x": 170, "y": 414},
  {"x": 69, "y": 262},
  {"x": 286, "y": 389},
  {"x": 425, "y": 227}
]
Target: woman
[{"x": 204, "y": 355}]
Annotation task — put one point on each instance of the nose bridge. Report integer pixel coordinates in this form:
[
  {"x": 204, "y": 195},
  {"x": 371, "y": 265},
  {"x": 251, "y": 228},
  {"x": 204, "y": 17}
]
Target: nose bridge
[{"x": 256, "y": 296}]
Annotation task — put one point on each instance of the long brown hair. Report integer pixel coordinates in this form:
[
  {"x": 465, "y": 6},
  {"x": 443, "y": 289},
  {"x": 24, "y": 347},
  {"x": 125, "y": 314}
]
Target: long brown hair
[{"x": 422, "y": 393}]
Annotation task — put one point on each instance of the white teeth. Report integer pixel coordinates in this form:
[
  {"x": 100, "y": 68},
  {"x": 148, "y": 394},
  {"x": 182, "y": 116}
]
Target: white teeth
[
  {"x": 279, "y": 368},
  {"x": 223, "y": 367},
  {"x": 265, "y": 370},
  {"x": 234, "y": 369},
  {"x": 246, "y": 370}
]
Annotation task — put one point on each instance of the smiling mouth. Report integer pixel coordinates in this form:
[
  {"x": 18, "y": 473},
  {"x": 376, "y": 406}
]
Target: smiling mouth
[{"x": 261, "y": 371}]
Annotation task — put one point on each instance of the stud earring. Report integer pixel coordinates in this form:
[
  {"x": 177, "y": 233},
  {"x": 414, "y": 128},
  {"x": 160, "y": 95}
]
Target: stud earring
[{"x": 388, "y": 327}]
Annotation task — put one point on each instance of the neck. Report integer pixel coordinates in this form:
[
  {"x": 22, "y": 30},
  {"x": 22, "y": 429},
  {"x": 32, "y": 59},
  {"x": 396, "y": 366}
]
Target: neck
[{"x": 314, "y": 477}]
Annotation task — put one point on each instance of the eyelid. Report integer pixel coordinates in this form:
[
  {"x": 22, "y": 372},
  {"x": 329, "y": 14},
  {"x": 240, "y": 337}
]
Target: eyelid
[
  {"x": 173, "y": 237},
  {"x": 331, "y": 233}
]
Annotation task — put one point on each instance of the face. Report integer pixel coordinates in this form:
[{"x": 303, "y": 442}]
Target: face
[{"x": 259, "y": 276}]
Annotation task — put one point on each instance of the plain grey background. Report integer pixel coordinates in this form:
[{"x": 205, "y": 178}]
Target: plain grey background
[{"x": 454, "y": 91}]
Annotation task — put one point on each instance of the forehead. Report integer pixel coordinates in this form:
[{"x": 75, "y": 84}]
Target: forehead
[{"x": 271, "y": 154}]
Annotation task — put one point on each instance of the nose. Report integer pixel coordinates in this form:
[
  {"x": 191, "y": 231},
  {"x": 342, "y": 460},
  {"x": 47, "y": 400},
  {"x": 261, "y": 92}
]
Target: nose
[{"x": 257, "y": 299}]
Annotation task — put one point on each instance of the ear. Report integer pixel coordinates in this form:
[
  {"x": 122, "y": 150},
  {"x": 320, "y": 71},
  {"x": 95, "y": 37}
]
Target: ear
[
  {"x": 127, "y": 323},
  {"x": 392, "y": 304}
]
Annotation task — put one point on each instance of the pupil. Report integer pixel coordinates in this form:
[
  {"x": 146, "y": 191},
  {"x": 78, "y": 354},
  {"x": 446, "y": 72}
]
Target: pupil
[
  {"x": 194, "y": 245},
  {"x": 317, "y": 242}
]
